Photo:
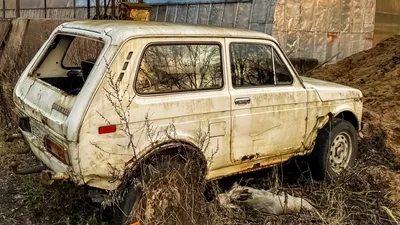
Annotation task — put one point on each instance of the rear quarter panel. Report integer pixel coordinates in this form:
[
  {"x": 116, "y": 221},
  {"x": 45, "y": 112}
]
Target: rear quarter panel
[{"x": 185, "y": 116}]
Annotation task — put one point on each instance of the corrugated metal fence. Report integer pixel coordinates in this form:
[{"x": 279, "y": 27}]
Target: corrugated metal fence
[
  {"x": 54, "y": 13},
  {"x": 318, "y": 29},
  {"x": 256, "y": 15}
]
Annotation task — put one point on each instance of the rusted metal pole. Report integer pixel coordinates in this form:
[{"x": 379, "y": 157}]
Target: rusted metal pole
[
  {"x": 97, "y": 9},
  {"x": 4, "y": 8},
  {"x": 74, "y": 9},
  {"x": 12, "y": 137},
  {"x": 88, "y": 9},
  {"x": 30, "y": 170},
  {"x": 45, "y": 8},
  {"x": 18, "y": 8}
]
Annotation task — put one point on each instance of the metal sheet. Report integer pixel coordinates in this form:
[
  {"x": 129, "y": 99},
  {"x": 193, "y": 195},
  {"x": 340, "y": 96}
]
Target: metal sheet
[
  {"x": 334, "y": 16},
  {"x": 162, "y": 12},
  {"x": 387, "y": 21},
  {"x": 242, "y": 20},
  {"x": 332, "y": 47},
  {"x": 279, "y": 23},
  {"x": 307, "y": 15},
  {"x": 277, "y": 17},
  {"x": 347, "y": 18},
  {"x": 306, "y": 44},
  {"x": 388, "y": 6},
  {"x": 356, "y": 43},
  {"x": 292, "y": 15},
  {"x": 345, "y": 45},
  {"x": 325, "y": 27},
  {"x": 321, "y": 16},
  {"x": 204, "y": 11},
  {"x": 320, "y": 46},
  {"x": 153, "y": 13},
  {"x": 281, "y": 38},
  {"x": 357, "y": 14},
  {"x": 192, "y": 14},
  {"x": 228, "y": 18},
  {"x": 259, "y": 15},
  {"x": 171, "y": 13},
  {"x": 216, "y": 14},
  {"x": 182, "y": 13},
  {"x": 292, "y": 43}
]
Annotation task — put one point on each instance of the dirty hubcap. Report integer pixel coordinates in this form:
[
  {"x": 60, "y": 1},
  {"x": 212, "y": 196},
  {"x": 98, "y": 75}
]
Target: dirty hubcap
[{"x": 340, "y": 152}]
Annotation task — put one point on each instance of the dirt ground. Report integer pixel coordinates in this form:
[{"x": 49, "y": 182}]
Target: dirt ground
[
  {"x": 376, "y": 73},
  {"x": 361, "y": 196},
  {"x": 25, "y": 200}
]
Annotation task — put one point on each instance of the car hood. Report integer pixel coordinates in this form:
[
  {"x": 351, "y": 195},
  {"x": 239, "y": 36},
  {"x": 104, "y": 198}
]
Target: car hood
[{"x": 329, "y": 91}]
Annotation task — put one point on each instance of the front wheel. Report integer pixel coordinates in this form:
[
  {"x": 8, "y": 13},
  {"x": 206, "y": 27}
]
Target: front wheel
[{"x": 335, "y": 149}]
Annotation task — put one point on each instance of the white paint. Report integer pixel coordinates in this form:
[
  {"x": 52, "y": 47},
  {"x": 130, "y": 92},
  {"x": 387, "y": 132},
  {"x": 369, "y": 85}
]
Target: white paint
[{"x": 270, "y": 130}]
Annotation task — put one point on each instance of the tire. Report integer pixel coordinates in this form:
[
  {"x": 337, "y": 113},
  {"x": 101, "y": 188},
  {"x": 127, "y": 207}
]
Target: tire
[
  {"x": 167, "y": 179},
  {"x": 335, "y": 150}
]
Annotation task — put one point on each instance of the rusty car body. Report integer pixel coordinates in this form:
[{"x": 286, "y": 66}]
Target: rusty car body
[{"x": 78, "y": 133}]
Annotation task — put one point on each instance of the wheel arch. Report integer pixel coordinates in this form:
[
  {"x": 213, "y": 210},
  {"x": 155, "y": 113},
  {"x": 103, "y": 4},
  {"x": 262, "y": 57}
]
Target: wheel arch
[
  {"x": 348, "y": 116},
  {"x": 345, "y": 113},
  {"x": 169, "y": 147}
]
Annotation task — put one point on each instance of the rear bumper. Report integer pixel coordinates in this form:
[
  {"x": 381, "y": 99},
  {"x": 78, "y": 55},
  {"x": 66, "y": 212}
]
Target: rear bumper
[
  {"x": 36, "y": 144},
  {"x": 38, "y": 149}
]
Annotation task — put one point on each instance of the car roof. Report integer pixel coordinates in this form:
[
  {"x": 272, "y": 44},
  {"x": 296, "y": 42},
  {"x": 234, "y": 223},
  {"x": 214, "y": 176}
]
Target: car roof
[{"x": 122, "y": 30}]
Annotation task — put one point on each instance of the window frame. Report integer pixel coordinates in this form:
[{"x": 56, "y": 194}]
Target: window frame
[
  {"x": 273, "y": 66},
  {"x": 162, "y": 43},
  {"x": 287, "y": 69}
]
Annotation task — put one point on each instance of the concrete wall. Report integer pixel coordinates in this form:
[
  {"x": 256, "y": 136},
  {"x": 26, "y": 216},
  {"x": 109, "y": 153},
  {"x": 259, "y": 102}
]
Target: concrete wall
[{"x": 324, "y": 29}]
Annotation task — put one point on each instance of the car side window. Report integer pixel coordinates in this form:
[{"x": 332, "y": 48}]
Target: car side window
[
  {"x": 257, "y": 65},
  {"x": 179, "y": 67},
  {"x": 251, "y": 65},
  {"x": 282, "y": 74}
]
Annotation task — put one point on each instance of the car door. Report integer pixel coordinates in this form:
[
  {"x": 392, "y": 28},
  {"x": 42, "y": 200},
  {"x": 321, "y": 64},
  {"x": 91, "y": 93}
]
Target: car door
[{"x": 268, "y": 102}]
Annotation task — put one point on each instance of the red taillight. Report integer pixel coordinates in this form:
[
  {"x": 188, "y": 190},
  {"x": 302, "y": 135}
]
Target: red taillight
[
  {"x": 55, "y": 149},
  {"x": 107, "y": 129}
]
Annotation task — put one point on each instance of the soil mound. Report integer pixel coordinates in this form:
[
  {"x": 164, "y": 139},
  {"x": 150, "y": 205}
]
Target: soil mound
[{"x": 376, "y": 72}]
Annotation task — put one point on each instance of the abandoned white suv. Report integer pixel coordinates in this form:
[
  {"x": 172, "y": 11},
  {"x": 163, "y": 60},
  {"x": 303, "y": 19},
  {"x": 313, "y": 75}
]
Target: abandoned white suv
[{"x": 103, "y": 96}]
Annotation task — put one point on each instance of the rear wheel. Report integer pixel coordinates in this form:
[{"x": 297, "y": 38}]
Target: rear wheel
[
  {"x": 165, "y": 193},
  {"x": 335, "y": 149}
]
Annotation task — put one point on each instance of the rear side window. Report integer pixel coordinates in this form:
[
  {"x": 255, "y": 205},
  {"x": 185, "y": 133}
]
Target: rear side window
[
  {"x": 179, "y": 67},
  {"x": 257, "y": 65}
]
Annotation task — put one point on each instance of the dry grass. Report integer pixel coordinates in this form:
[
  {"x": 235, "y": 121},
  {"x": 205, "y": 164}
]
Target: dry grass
[{"x": 356, "y": 198}]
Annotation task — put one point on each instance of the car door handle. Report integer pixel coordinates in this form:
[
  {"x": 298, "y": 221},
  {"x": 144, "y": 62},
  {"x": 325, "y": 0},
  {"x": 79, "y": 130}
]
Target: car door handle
[{"x": 240, "y": 101}]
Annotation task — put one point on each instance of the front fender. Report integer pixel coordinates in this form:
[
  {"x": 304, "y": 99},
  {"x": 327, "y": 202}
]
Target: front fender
[{"x": 332, "y": 110}]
